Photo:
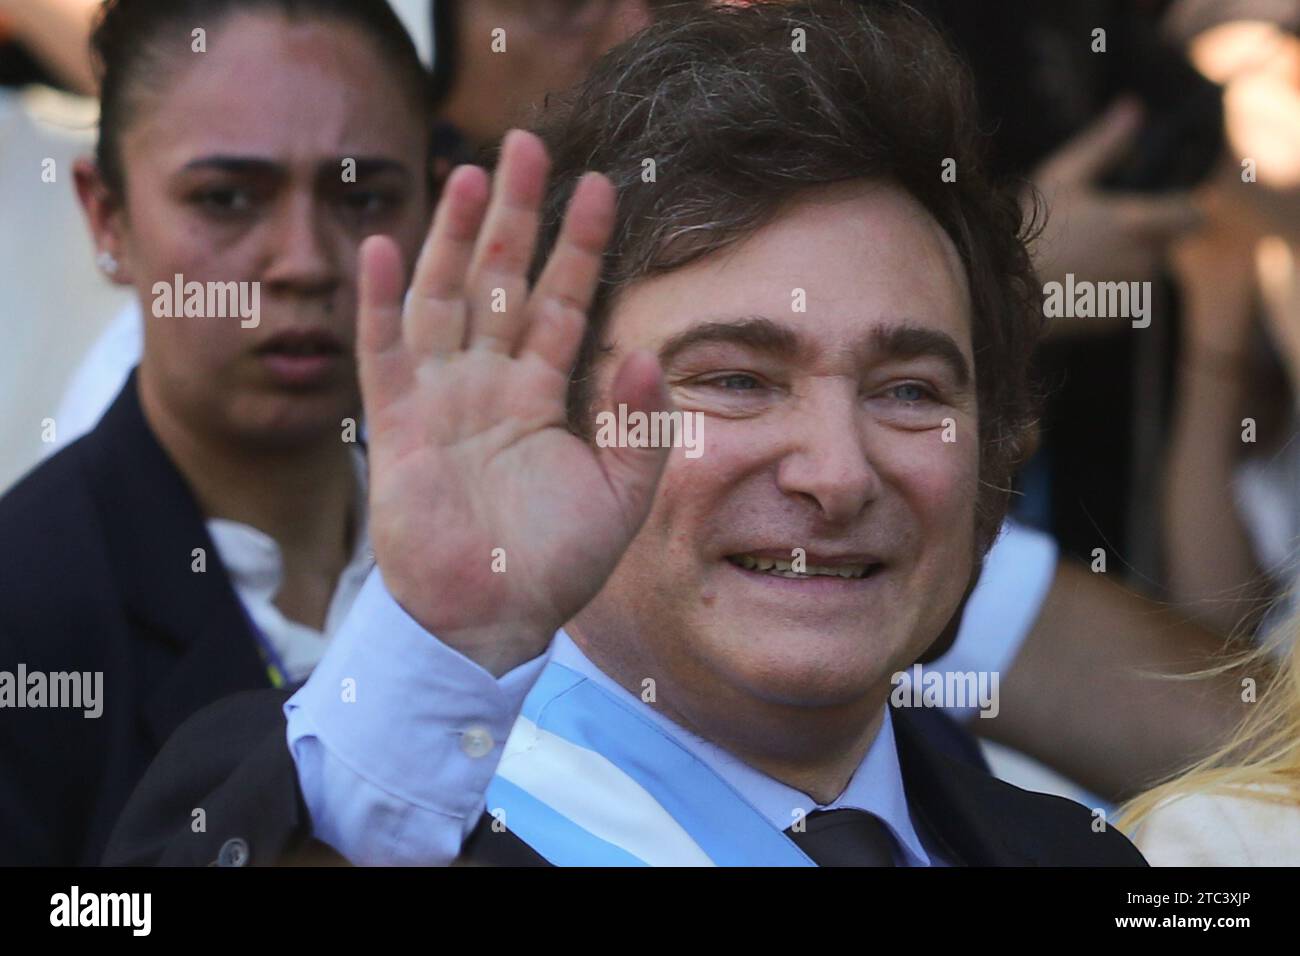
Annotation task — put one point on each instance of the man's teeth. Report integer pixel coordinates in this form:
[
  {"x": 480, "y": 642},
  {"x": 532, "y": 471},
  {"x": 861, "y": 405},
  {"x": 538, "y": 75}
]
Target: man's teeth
[{"x": 786, "y": 569}]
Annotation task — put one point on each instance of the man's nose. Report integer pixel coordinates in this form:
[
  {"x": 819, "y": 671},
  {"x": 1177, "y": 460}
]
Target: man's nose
[
  {"x": 828, "y": 462},
  {"x": 303, "y": 256}
]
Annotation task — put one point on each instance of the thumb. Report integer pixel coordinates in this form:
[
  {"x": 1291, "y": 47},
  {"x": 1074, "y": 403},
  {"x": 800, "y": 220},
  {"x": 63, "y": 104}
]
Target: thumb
[
  {"x": 1087, "y": 155},
  {"x": 633, "y": 469}
]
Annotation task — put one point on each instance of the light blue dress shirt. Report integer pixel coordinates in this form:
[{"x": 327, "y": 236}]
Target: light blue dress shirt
[{"x": 396, "y": 737}]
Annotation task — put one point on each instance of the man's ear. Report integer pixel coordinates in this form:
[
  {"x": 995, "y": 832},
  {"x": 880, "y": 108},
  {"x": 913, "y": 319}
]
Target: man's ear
[{"x": 103, "y": 212}]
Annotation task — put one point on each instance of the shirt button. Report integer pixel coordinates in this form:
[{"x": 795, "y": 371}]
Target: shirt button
[
  {"x": 477, "y": 741},
  {"x": 233, "y": 853}
]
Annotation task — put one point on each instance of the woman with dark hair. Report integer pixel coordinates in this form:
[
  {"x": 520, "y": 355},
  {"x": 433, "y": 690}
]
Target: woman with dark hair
[{"x": 207, "y": 536}]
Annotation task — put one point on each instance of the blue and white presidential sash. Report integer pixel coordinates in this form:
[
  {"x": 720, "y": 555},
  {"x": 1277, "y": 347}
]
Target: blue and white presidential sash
[{"x": 587, "y": 781}]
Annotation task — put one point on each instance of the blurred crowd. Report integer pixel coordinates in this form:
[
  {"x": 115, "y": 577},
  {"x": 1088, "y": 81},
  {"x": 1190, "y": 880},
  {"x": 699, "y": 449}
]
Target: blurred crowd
[{"x": 1139, "y": 602}]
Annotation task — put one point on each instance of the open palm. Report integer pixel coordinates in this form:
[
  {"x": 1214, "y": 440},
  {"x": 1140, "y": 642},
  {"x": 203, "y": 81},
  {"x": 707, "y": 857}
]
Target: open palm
[{"x": 492, "y": 523}]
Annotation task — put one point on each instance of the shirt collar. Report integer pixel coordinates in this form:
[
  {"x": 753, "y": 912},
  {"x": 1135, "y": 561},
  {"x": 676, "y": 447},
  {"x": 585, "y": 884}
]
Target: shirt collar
[
  {"x": 876, "y": 786},
  {"x": 252, "y": 557}
]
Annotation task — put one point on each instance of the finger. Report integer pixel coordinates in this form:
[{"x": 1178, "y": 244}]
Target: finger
[
  {"x": 436, "y": 309},
  {"x": 574, "y": 265},
  {"x": 633, "y": 472},
  {"x": 1158, "y": 218},
  {"x": 382, "y": 363},
  {"x": 555, "y": 335},
  {"x": 498, "y": 276},
  {"x": 564, "y": 292},
  {"x": 1088, "y": 154}
]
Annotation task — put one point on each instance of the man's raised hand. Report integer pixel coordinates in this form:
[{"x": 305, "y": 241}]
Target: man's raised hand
[{"x": 464, "y": 385}]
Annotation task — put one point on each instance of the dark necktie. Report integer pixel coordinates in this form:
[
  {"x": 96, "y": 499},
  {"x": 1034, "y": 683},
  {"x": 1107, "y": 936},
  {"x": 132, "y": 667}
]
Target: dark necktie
[{"x": 845, "y": 838}]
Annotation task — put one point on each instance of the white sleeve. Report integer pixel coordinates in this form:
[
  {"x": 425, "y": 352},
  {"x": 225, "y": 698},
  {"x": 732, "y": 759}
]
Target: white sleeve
[{"x": 1002, "y": 609}]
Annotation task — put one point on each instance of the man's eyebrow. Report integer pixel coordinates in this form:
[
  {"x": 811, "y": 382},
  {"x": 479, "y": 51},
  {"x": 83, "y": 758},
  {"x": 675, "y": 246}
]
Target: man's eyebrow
[
  {"x": 754, "y": 332},
  {"x": 913, "y": 341}
]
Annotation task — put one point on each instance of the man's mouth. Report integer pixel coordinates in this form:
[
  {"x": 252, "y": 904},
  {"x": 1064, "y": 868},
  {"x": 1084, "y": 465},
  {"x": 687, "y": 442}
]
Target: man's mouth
[{"x": 853, "y": 570}]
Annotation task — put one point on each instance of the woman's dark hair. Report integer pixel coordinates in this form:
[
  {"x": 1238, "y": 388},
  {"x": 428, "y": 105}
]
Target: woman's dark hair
[
  {"x": 443, "y": 19},
  {"x": 739, "y": 119},
  {"x": 134, "y": 39}
]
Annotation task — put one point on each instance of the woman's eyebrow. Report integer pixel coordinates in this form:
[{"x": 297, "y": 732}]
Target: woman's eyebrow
[
  {"x": 363, "y": 166},
  {"x": 256, "y": 166},
  {"x": 245, "y": 165}
]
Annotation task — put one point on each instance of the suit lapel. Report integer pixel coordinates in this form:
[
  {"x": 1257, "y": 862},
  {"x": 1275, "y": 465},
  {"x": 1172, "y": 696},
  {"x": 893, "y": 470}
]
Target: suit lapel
[
  {"x": 969, "y": 815},
  {"x": 152, "y": 526}
]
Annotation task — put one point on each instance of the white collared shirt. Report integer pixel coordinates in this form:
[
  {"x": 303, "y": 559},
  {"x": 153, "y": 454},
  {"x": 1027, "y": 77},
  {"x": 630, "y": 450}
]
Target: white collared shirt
[
  {"x": 252, "y": 559},
  {"x": 876, "y": 786}
]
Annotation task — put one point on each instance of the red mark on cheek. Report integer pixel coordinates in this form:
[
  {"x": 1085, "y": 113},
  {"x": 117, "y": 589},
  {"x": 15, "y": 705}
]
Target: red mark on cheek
[{"x": 494, "y": 248}]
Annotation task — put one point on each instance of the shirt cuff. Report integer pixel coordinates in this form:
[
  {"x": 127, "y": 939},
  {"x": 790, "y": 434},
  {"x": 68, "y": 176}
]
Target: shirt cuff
[{"x": 393, "y": 726}]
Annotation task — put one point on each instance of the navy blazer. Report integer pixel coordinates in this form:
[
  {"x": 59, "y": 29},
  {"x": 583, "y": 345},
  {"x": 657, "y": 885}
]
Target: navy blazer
[{"x": 95, "y": 575}]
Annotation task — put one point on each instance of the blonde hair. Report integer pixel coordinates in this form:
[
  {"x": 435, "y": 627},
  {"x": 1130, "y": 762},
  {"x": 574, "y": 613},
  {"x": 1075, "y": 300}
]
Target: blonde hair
[{"x": 1264, "y": 749}]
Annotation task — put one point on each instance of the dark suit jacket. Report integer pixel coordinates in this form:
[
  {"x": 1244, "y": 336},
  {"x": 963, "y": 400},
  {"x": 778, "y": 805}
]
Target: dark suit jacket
[
  {"x": 95, "y": 575},
  {"x": 231, "y": 760}
]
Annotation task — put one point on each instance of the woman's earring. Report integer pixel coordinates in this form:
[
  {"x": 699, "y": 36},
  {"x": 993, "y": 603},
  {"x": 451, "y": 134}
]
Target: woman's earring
[{"x": 107, "y": 263}]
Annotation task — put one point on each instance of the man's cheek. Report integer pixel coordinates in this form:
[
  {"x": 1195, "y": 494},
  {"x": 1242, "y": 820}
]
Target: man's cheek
[
  {"x": 940, "y": 479},
  {"x": 942, "y": 491},
  {"x": 709, "y": 454},
  {"x": 685, "y": 484}
]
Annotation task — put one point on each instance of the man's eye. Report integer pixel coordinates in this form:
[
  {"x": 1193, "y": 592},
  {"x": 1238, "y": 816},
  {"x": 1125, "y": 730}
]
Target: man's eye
[
  {"x": 735, "y": 382},
  {"x": 911, "y": 393}
]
